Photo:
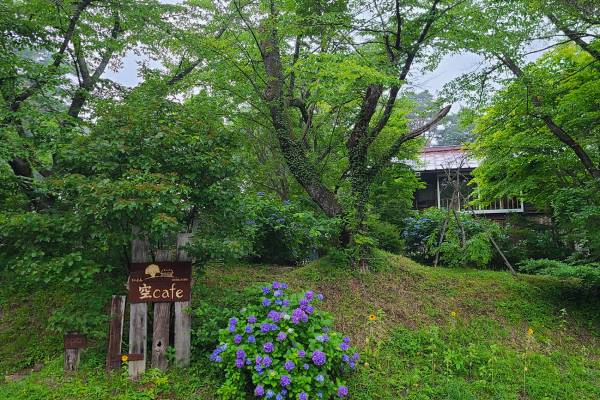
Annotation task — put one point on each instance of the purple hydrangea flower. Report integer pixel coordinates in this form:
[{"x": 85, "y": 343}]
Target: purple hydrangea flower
[
  {"x": 276, "y": 285},
  {"x": 231, "y": 328},
  {"x": 320, "y": 297},
  {"x": 274, "y": 316},
  {"x": 301, "y": 353},
  {"x": 309, "y": 295},
  {"x": 251, "y": 339},
  {"x": 283, "y": 285},
  {"x": 306, "y": 366},
  {"x": 281, "y": 336},
  {"x": 320, "y": 378},
  {"x": 286, "y": 303},
  {"x": 344, "y": 346},
  {"x": 259, "y": 390},
  {"x": 268, "y": 347},
  {"x": 237, "y": 339},
  {"x": 355, "y": 357},
  {"x": 266, "y": 290},
  {"x": 266, "y": 302},
  {"x": 239, "y": 363},
  {"x": 303, "y": 396},
  {"x": 278, "y": 302},
  {"x": 303, "y": 303},
  {"x": 346, "y": 339},
  {"x": 248, "y": 329},
  {"x": 298, "y": 315},
  {"x": 252, "y": 319},
  {"x": 278, "y": 293},
  {"x": 309, "y": 309},
  {"x": 342, "y": 391},
  {"x": 319, "y": 358},
  {"x": 265, "y": 328},
  {"x": 266, "y": 361},
  {"x": 240, "y": 353},
  {"x": 322, "y": 338},
  {"x": 285, "y": 381},
  {"x": 289, "y": 365},
  {"x": 233, "y": 321}
]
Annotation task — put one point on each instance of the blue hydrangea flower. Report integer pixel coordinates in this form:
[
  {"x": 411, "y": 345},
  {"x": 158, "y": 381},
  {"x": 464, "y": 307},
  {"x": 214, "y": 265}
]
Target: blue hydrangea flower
[
  {"x": 352, "y": 364},
  {"x": 266, "y": 302},
  {"x": 239, "y": 363},
  {"x": 286, "y": 303},
  {"x": 320, "y": 378},
  {"x": 268, "y": 347},
  {"x": 306, "y": 366},
  {"x": 274, "y": 316},
  {"x": 285, "y": 381},
  {"x": 322, "y": 338},
  {"x": 265, "y": 328},
  {"x": 233, "y": 321},
  {"x": 320, "y": 395},
  {"x": 318, "y": 358},
  {"x": 289, "y": 365},
  {"x": 252, "y": 319},
  {"x": 281, "y": 336},
  {"x": 346, "y": 339},
  {"x": 278, "y": 293},
  {"x": 309, "y": 295},
  {"x": 251, "y": 339},
  {"x": 283, "y": 285},
  {"x": 278, "y": 302},
  {"x": 266, "y": 361},
  {"x": 260, "y": 194},
  {"x": 237, "y": 339},
  {"x": 248, "y": 361},
  {"x": 259, "y": 390},
  {"x": 320, "y": 297},
  {"x": 269, "y": 394},
  {"x": 342, "y": 391},
  {"x": 345, "y": 358},
  {"x": 276, "y": 285},
  {"x": 302, "y": 396},
  {"x": 266, "y": 290},
  {"x": 248, "y": 329},
  {"x": 301, "y": 353},
  {"x": 309, "y": 309},
  {"x": 240, "y": 353},
  {"x": 279, "y": 396},
  {"x": 355, "y": 357},
  {"x": 303, "y": 303},
  {"x": 299, "y": 315},
  {"x": 344, "y": 346}
]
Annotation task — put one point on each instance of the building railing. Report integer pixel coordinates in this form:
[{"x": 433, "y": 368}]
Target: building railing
[{"x": 503, "y": 205}]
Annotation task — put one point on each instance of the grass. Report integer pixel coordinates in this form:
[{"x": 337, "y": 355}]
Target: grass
[{"x": 439, "y": 334}]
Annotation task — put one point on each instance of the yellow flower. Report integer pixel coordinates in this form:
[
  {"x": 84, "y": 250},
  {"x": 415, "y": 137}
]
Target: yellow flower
[
  {"x": 124, "y": 358},
  {"x": 526, "y": 369},
  {"x": 372, "y": 317},
  {"x": 529, "y": 331},
  {"x": 453, "y": 314}
]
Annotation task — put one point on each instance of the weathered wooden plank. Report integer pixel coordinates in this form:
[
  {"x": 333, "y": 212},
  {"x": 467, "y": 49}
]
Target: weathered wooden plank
[
  {"x": 160, "y": 335},
  {"x": 138, "y": 331},
  {"x": 72, "y": 359},
  {"x": 183, "y": 331},
  {"x": 115, "y": 333},
  {"x": 183, "y": 319}
]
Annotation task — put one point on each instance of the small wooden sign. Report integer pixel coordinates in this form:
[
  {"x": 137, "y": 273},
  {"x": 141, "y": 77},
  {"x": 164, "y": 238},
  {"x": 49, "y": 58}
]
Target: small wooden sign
[
  {"x": 74, "y": 340},
  {"x": 134, "y": 357},
  {"x": 160, "y": 281}
]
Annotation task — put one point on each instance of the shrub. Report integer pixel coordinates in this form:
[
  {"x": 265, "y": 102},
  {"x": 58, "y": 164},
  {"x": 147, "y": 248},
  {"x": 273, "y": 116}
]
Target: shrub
[
  {"x": 589, "y": 274},
  {"x": 283, "y": 347},
  {"x": 387, "y": 235}
]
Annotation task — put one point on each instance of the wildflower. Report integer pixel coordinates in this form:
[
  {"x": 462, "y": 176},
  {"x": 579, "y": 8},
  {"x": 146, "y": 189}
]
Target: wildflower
[
  {"x": 237, "y": 339},
  {"x": 285, "y": 381},
  {"x": 289, "y": 365},
  {"x": 372, "y": 317},
  {"x": 251, "y": 339},
  {"x": 124, "y": 358},
  {"x": 342, "y": 391},
  {"x": 319, "y": 358},
  {"x": 259, "y": 390},
  {"x": 453, "y": 313},
  {"x": 529, "y": 331}
]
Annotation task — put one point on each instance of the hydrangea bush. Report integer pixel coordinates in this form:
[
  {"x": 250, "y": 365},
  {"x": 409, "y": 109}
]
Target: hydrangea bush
[{"x": 283, "y": 347}]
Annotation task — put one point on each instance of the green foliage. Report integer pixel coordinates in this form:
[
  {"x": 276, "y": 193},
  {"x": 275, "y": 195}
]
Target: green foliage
[
  {"x": 284, "y": 343},
  {"x": 422, "y": 235},
  {"x": 588, "y": 274}
]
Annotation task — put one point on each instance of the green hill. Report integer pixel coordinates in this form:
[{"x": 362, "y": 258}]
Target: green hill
[{"x": 423, "y": 333}]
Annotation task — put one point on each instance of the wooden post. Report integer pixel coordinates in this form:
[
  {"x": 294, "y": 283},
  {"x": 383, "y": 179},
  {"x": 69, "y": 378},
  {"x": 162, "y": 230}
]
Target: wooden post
[
  {"x": 115, "y": 333},
  {"x": 160, "y": 335},
  {"x": 72, "y": 359},
  {"x": 138, "y": 316},
  {"x": 183, "y": 319}
]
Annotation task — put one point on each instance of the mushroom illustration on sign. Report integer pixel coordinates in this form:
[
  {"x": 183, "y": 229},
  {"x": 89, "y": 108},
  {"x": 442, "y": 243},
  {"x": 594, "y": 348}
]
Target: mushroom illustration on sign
[{"x": 152, "y": 270}]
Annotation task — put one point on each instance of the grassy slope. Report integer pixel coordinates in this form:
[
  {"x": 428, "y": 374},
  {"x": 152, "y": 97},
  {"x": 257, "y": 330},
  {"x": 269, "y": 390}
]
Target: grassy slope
[{"x": 415, "y": 349}]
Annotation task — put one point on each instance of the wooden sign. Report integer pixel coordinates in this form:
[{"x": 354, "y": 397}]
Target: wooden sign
[
  {"x": 161, "y": 281},
  {"x": 74, "y": 340}
]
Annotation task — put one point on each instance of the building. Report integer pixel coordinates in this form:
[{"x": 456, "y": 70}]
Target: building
[{"x": 446, "y": 171}]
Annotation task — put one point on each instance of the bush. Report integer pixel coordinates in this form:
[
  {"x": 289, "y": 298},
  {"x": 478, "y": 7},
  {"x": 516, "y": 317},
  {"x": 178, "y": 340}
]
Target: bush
[
  {"x": 284, "y": 231},
  {"x": 589, "y": 274},
  {"x": 422, "y": 234},
  {"x": 283, "y": 347},
  {"x": 387, "y": 235}
]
